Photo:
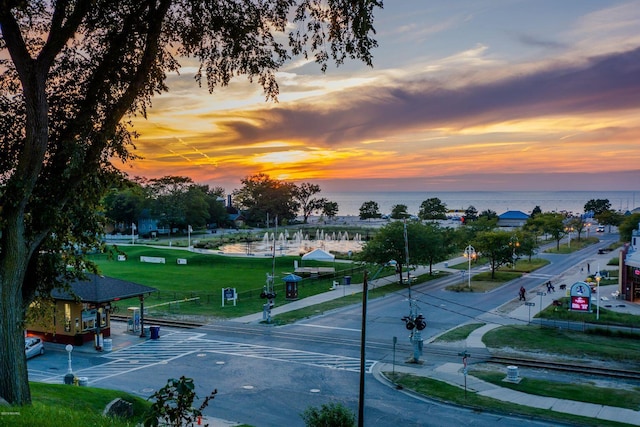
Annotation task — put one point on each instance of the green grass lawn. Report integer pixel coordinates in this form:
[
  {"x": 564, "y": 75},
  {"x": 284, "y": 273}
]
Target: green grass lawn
[
  {"x": 576, "y": 245},
  {"x": 582, "y": 392},
  {"x": 205, "y": 275},
  {"x": 483, "y": 282},
  {"x": 563, "y": 342},
  {"x": 460, "y": 333},
  {"x": 62, "y": 405}
]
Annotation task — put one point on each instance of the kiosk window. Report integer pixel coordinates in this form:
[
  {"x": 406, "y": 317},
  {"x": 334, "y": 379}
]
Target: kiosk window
[
  {"x": 88, "y": 320},
  {"x": 102, "y": 312},
  {"x": 67, "y": 317}
]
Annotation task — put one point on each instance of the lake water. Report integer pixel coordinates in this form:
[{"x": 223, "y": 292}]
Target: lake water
[{"x": 499, "y": 201}]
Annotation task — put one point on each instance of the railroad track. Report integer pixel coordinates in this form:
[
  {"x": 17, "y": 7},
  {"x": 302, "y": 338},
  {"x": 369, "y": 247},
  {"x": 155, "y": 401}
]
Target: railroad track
[
  {"x": 567, "y": 367},
  {"x": 161, "y": 322},
  {"x": 428, "y": 350}
]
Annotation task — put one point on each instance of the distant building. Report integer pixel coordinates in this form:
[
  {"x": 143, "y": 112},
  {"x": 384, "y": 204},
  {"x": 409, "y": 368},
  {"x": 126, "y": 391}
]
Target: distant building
[
  {"x": 234, "y": 215},
  {"x": 512, "y": 219},
  {"x": 630, "y": 268}
]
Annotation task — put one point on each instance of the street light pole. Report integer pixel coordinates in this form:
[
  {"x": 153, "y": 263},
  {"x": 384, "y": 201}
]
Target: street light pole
[
  {"x": 69, "y": 349},
  {"x": 469, "y": 252},
  {"x": 569, "y": 230},
  {"x": 598, "y": 278},
  {"x": 514, "y": 243},
  {"x": 69, "y": 377}
]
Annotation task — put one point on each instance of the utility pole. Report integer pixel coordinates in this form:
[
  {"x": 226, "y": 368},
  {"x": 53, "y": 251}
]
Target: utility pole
[
  {"x": 363, "y": 341},
  {"x": 363, "y": 338},
  {"x": 414, "y": 322},
  {"x": 269, "y": 292}
]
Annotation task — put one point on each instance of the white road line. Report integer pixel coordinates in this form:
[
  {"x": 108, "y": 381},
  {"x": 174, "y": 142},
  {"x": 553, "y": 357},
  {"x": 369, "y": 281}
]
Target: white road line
[
  {"x": 180, "y": 344},
  {"x": 328, "y": 327}
]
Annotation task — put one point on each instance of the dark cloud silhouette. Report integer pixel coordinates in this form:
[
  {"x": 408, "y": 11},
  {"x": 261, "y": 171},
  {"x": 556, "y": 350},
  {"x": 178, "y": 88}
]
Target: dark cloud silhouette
[{"x": 604, "y": 83}]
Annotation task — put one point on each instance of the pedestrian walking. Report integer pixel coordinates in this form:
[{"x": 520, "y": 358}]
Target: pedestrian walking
[
  {"x": 522, "y": 293},
  {"x": 550, "y": 287}
]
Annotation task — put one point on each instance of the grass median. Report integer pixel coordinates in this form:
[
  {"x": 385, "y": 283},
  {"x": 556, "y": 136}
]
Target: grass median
[
  {"x": 452, "y": 394},
  {"x": 485, "y": 281}
]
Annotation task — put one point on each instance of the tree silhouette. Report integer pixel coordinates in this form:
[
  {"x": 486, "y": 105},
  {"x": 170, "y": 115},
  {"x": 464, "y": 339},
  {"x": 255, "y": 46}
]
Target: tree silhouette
[{"x": 74, "y": 73}]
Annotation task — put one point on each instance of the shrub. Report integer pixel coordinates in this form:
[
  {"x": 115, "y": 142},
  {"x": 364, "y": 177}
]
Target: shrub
[
  {"x": 174, "y": 404},
  {"x": 329, "y": 415}
]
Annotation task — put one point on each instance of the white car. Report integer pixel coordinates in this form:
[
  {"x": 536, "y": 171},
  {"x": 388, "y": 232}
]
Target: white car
[{"x": 33, "y": 347}]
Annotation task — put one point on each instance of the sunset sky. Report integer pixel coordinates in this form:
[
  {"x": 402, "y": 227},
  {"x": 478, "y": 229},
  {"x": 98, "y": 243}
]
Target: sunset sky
[{"x": 463, "y": 95}]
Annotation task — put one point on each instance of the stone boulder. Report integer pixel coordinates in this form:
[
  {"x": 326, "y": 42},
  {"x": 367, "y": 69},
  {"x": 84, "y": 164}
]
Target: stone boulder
[{"x": 118, "y": 408}]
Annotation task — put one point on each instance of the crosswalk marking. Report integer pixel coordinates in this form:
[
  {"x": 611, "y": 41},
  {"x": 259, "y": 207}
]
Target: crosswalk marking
[
  {"x": 179, "y": 344},
  {"x": 537, "y": 276}
]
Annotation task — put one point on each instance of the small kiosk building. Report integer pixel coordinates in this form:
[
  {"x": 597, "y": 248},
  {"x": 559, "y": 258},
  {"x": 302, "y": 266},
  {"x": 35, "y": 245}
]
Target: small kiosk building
[{"x": 82, "y": 312}]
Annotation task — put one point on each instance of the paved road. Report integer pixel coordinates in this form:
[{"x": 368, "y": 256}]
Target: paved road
[{"x": 266, "y": 375}]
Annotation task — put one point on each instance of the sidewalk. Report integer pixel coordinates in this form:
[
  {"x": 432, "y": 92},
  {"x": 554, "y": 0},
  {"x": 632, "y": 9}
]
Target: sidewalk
[{"x": 452, "y": 373}]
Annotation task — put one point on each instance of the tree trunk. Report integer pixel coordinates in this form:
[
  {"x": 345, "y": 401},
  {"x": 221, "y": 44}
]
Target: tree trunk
[{"x": 14, "y": 381}]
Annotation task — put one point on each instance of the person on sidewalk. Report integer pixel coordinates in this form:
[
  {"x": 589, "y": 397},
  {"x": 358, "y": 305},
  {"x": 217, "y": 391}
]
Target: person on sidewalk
[
  {"x": 550, "y": 287},
  {"x": 522, "y": 294}
]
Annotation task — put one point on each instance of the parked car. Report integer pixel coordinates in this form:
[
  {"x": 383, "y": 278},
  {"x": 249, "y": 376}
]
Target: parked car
[{"x": 33, "y": 347}]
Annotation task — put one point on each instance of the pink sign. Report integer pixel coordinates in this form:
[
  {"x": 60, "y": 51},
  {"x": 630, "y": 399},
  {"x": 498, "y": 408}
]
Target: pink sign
[{"x": 579, "y": 303}]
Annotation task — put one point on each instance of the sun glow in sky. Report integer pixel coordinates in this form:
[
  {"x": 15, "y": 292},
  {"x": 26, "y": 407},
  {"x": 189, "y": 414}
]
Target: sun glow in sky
[{"x": 464, "y": 95}]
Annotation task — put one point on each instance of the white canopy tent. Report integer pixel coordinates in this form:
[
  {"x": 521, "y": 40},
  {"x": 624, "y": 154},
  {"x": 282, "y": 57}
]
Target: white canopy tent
[{"x": 318, "y": 255}]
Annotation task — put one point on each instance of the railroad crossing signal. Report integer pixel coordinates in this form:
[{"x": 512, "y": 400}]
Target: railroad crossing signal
[
  {"x": 415, "y": 323},
  {"x": 268, "y": 293}
]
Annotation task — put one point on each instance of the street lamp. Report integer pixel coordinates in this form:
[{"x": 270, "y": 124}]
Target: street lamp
[
  {"x": 598, "y": 278},
  {"x": 469, "y": 253},
  {"x": 69, "y": 377},
  {"x": 588, "y": 229},
  {"x": 569, "y": 230},
  {"x": 514, "y": 243},
  {"x": 69, "y": 349}
]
